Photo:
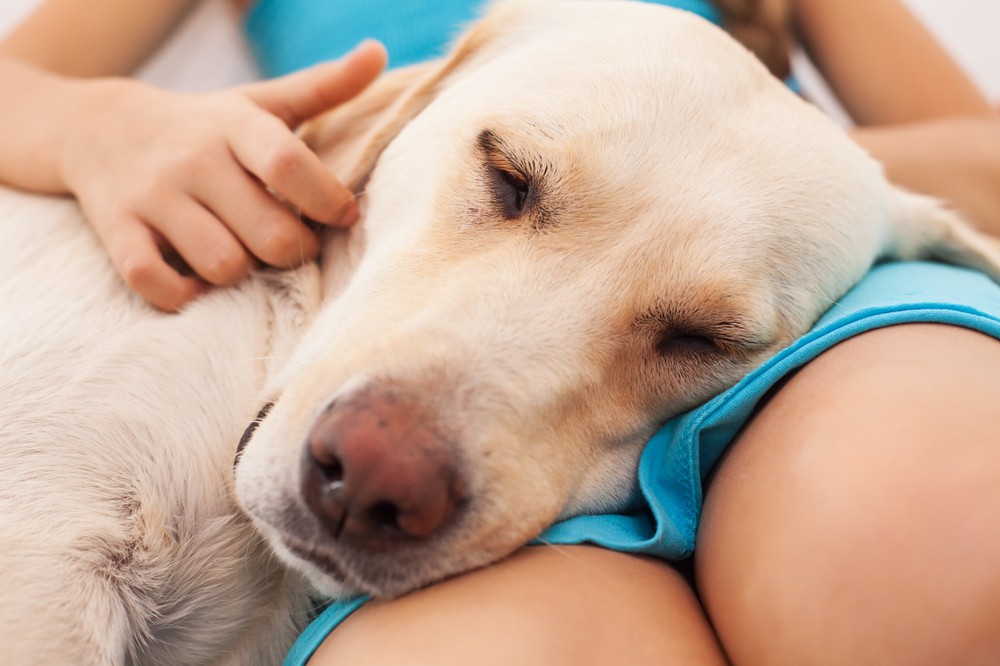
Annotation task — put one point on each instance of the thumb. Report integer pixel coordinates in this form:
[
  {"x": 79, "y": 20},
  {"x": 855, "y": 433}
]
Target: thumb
[{"x": 297, "y": 97}]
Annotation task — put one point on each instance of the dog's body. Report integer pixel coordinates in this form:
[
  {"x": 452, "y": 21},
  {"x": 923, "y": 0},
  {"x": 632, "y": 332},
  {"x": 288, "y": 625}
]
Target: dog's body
[
  {"x": 121, "y": 540},
  {"x": 557, "y": 256}
]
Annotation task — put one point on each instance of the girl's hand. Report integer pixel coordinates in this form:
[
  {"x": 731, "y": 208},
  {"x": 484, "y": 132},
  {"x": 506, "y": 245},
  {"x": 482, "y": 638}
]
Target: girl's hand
[{"x": 217, "y": 179}]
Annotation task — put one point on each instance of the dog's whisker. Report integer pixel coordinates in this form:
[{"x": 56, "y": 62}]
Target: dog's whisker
[{"x": 271, "y": 357}]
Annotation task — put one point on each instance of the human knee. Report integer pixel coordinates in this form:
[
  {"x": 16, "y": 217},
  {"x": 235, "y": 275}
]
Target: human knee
[
  {"x": 571, "y": 605},
  {"x": 852, "y": 521}
]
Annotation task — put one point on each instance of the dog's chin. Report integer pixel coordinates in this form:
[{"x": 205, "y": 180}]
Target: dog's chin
[
  {"x": 337, "y": 570},
  {"x": 330, "y": 577},
  {"x": 323, "y": 573}
]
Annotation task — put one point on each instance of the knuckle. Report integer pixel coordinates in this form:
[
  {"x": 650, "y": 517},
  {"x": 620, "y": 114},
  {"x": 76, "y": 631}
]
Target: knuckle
[
  {"x": 196, "y": 165},
  {"x": 116, "y": 216},
  {"x": 281, "y": 164},
  {"x": 147, "y": 194},
  {"x": 186, "y": 159}
]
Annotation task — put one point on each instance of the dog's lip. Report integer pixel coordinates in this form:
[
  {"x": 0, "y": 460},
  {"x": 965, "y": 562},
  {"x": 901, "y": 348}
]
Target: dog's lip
[
  {"x": 380, "y": 572},
  {"x": 343, "y": 574},
  {"x": 315, "y": 556}
]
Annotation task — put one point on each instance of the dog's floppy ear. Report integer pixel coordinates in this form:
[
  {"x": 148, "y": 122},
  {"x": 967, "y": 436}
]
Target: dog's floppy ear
[
  {"x": 351, "y": 137},
  {"x": 348, "y": 138},
  {"x": 923, "y": 228}
]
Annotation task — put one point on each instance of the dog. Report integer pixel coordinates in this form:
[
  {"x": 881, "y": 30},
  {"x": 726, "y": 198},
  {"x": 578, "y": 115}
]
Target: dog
[{"x": 586, "y": 219}]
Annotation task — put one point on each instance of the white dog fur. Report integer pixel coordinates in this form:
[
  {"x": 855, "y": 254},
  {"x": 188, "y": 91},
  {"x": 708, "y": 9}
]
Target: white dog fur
[{"x": 686, "y": 217}]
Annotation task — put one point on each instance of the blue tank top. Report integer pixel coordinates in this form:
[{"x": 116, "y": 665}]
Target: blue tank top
[{"x": 287, "y": 35}]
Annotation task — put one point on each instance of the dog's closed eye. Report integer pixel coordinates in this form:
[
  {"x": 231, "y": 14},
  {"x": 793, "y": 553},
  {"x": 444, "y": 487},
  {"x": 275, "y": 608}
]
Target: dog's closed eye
[
  {"x": 511, "y": 186},
  {"x": 676, "y": 333},
  {"x": 512, "y": 190},
  {"x": 671, "y": 342}
]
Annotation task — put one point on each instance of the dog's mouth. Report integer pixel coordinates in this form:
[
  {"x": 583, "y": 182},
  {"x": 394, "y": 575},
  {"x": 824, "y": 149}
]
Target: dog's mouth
[
  {"x": 381, "y": 499},
  {"x": 317, "y": 557},
  {"x": 389, "y": 568},
  {"x": 390, "y": 575}
]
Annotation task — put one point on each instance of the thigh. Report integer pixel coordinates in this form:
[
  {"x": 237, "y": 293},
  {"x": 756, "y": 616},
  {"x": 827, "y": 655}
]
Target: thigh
[
  {"x": 574, "y": 605},
  {"x": 855, "y": 519}
]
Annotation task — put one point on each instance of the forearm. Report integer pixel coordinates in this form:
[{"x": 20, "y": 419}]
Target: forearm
[
  {"x": 36, "y": 116},
  {"x": 95, "y": 37},
  {"x": 39, "y": 59},
  {"x": 885, "y": 67},
  {"x": 956, "y": 159}
]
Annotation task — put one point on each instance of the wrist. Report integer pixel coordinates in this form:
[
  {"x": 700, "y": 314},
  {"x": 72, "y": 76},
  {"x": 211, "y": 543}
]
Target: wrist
[
  {"x": 76, "y": 132},
  {"x": 31, "y": 116}
]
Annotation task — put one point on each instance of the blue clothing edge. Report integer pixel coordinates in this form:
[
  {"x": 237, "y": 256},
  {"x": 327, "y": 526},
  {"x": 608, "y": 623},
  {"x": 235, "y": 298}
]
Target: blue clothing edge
[{"x": 317, "y": 631}]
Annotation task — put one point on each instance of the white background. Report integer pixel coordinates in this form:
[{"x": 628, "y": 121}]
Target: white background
[{"x": 208, "y": 52}]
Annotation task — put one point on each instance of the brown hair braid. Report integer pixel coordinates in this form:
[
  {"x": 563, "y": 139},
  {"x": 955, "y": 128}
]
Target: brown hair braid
[{"x": 763, "y": 26}]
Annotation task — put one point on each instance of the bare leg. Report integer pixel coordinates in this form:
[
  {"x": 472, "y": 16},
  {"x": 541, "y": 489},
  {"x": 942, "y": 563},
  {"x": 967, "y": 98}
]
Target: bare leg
[
  {"x": 857, "y": 519},
  {"x": 545, "y": 605}
]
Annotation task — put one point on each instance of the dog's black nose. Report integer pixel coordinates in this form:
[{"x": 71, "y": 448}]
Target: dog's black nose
[{"x": 376, "y": 470}]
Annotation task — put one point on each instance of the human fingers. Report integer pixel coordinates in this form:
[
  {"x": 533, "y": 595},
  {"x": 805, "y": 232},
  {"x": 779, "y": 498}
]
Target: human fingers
[
  {"x": 265, "y": 147},
  {"x": 133, "y": 249},
  {"x": 302, "y": 95},
  {"x": 279, "y": 159},
  {"x": 267, "y": 228},
  {"x": 202, "y": 240}
]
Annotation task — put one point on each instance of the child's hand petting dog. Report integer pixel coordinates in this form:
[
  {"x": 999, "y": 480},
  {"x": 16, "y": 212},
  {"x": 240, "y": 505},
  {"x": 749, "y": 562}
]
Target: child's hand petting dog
[{"x": 207, "y": 177}]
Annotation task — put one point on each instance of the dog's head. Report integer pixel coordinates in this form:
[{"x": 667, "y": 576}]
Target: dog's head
[{"x": 589, "y": 218}]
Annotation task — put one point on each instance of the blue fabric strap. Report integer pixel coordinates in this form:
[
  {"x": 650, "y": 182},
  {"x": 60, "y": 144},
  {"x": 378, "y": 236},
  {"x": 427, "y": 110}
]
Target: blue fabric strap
[{"x": 310, "y": 639}]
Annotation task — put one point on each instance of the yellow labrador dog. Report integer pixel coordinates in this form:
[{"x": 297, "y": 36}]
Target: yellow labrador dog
[{"x": 589, "y": 217}]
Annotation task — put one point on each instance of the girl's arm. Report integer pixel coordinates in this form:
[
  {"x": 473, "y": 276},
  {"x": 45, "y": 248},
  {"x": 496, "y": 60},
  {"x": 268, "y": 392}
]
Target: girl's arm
[
  {"x": 885, "y": 67},
  {"x": 917, "y": 111},
  {"x": 204, "y": 177},
  {"x": 93, "y": 38}
]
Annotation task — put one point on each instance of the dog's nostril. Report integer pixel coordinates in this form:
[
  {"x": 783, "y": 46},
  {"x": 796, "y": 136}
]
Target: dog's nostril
[
  {"x": 386, "y": 516},
  {"x": 332, "y": 471}
]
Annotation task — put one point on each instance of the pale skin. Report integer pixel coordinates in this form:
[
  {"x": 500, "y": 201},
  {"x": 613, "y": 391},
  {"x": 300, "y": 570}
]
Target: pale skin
[{"x": 853, "y": 521}]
